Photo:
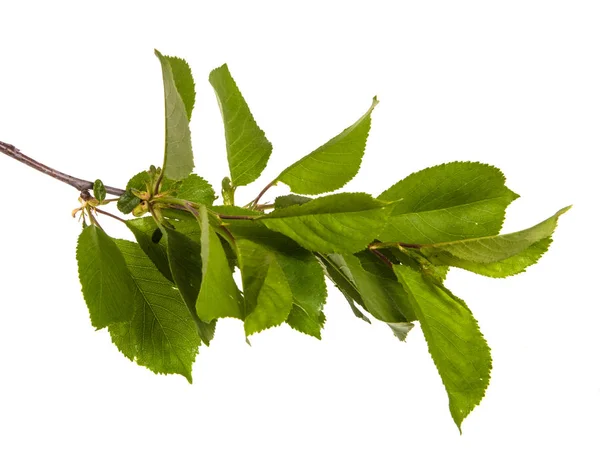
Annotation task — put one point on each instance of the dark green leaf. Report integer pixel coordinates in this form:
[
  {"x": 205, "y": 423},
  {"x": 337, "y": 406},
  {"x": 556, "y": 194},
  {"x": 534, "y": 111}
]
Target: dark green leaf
[
  {"x": 248, "y": 150},
  {"x": 342, "y": 223},
  {"x": 219, "y": 295},
  {"x": 383, "y": 296},
  {"x": 447, "y": 202},
  {"x": 333, "y": 164},
  {"x": 338, "y": 272},
  {"x": 107, "y": 286},
  {"x": 303, "y": 322},
  {"x": 196, "y": 190},
  {"x": 307, "y": 283},
  {"x": 455, "y": 342},
  {"x": 127, "y": 202},
  {"x": 178, "y": 159},
  {"x": 186, "y": 268},
  {"x": 257, "y": 248},
  {"x": 161, "y": 335},
  {"x": 99, "y": 190},
  {"x": 267, "y": 294},
  {"x": 145, "y": 230},
  {"x": 184, "y": 82}
]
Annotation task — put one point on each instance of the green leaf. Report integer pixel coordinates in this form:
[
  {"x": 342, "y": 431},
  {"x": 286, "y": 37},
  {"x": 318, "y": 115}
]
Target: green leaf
[
  {"x": 178, "y": 160},
  {"x": 503, "y": 268},
  {"x": 383, "y": 296},
  {"x": 107, "y": 286},
  {"x": 186, "y": 268},
  {"x": 267, "y": 294},
  {"x": 307, "y": 283},
  {"x": 337, "y": 271},
  {"x": 333, "y": 164},
  {"x": 138, "y": 181},
  {"x": 184, "y": 82},
  {"x": 197, "y": 190},
  {"x": 455, "y": 342},
  {"x": 505, "y": 255},
  {"x": 306, "y": 323},
  {"x": 248, "y": 150},
  {"x": 127, "y": 202},
  {"x": 228, "y": 192},
  {"x": 380, "y": 293},
  {"x": 219, "y": 295},
  {"x": 303, "y": 276},
  {"x": 161, "y": 335},
  {"x": 286, "y": 201},
  {"x": 99, "y": 190},
  {"x": 400, "y": 329},
  {"x": 342, "y": 223},
  {"x": 144, "y": 230},
  {"x": 447, "y": 202}
]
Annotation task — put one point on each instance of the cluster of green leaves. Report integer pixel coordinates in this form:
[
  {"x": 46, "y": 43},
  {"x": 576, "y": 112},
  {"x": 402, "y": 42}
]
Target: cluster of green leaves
[{"x": 161, "y": 296}]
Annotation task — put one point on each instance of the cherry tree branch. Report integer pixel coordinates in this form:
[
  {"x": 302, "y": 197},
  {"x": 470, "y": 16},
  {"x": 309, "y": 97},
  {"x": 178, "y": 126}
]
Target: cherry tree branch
[{"x": 77, "y": 183}]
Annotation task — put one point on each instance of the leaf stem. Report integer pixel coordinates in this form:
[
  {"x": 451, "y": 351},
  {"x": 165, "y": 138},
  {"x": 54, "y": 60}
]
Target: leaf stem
[
  {"x": 242, "y": 217},
  {"x": 77, "y": 183},
  {"x": 384, "y": 245},
  {"x": 110, "y": 214},
  {"x": 253, "y": 204},
  {"x": 265, "y": 206},
  {"x": 383, "y": 258}
]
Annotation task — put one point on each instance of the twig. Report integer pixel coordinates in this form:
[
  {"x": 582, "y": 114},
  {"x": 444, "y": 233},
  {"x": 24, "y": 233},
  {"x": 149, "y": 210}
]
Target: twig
[{"x": 77, "y": 183}]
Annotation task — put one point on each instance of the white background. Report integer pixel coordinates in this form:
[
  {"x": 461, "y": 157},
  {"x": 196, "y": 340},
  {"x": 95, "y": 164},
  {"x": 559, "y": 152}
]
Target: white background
[{"x": 514, "y": 83}]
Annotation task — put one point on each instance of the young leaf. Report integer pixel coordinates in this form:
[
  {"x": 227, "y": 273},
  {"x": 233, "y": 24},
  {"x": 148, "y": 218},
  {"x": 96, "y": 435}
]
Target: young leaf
[
  {"x": 186, "y": 268},
  {"x": 197, "y": 190},
  {"x": 138, "y": 181},
  {"x": 495, "y": 249},
  {"x": 127, "y": 202},
  {"x": 161, "y": 335},
  {"x": 99, "y": 190},
  {"x": 344, "y": 223},
  {"x": 144, "y": 230},
  {"x": 455, "y": 342},
  {"x": 178, "y": 160},
  {"x": 184, "y": 82},
  {"x": 107, "y": 286},
  {"x": 333, "y": 164},
  {"x": 219, "y": 295},
  {"x": 447, "y": 202},
  {"x": 248, "y": 150}
]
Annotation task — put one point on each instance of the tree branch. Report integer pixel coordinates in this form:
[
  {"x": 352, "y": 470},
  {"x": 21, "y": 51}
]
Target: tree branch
[{"x": 77, "y": 183}]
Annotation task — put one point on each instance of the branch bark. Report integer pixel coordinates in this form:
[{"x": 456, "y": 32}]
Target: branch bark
[{"x": 77, "y": 183}]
